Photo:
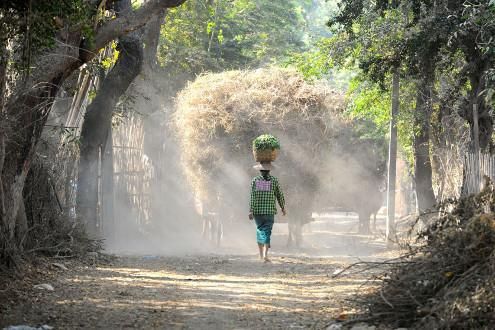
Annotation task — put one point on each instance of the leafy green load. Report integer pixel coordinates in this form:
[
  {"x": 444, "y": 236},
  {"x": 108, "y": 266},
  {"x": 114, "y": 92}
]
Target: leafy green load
[{"x": 266, "y": 142}]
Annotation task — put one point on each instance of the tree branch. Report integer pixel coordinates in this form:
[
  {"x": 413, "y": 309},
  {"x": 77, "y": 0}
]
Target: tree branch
[
  {"x": 69, "y": 53},
  {"x": 129, "y": 22}
]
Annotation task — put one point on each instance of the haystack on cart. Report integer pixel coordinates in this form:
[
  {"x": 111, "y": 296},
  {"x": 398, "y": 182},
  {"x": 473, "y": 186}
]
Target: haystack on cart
[{"x": 218, "y": 114}]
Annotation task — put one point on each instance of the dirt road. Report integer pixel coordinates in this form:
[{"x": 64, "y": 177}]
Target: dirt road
[{"x": 209, "y": 291}]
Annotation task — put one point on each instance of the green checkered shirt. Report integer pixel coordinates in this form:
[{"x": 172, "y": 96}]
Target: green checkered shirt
[{"x": 263, "y": 196}]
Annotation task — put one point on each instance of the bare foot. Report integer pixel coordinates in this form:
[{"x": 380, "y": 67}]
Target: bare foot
[{"x": 266, "y": 260}]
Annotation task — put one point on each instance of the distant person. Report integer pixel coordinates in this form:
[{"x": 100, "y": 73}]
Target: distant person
[{"x": 265, "y": 189}]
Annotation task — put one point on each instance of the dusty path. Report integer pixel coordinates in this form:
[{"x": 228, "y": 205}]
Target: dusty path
[{"x": 198, "y": 292}]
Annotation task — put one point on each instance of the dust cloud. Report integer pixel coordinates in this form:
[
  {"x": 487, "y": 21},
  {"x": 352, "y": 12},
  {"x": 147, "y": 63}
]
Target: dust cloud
[
  {"x": 162, "y": 215},
  {"x": 176, "y": 222}
]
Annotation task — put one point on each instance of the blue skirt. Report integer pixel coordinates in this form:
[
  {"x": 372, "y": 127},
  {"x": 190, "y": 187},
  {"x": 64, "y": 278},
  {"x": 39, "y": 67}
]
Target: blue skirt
[{"x": 264, "y": 225}]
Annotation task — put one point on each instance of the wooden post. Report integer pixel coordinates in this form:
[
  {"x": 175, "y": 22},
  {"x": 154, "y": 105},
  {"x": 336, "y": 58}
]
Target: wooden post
[
  {"x": 107, "y": 192},
  {"x": 476, "y": 140},
  {"x": 476, "y": 130},
  {"x": 98, "y": 227},
  {"x": 392, "y": 158}
]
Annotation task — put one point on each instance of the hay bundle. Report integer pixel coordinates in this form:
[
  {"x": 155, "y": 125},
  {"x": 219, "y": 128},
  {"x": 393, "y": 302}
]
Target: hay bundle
[{"x": 219, "y": 115}]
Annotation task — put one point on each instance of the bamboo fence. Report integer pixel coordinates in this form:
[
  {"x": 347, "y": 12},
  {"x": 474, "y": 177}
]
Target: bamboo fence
[
  {"x": 129, "y": 168},
  {"x": 132, "y": 170},
  {"x": 68, "y": 151},
  {"x": 68, "y": 154},
  {"x": 477, "y": 166}
]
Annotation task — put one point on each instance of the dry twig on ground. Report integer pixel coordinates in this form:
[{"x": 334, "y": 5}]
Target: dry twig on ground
[{"x": 448, "y": 281}]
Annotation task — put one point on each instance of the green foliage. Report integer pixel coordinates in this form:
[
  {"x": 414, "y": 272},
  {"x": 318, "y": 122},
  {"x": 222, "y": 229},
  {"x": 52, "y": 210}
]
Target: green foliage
[
  {"x": 314, "y": 60},
  {"x": 109, "y": 61},
  {"x": 266, "y": 142},
  {"x": 91, "y": 95},
  {"x": 135, "y": 4},
  {"x": 417, "y": 34},
  {"x": 450, "y": 41},
  {"x": 314, "y": 63},
  {"x": 205, "y": 35},
  {"x": 33, "y": 24},
  {"x": 368, "y": 102},
  {"x": 478, "y": 26}
]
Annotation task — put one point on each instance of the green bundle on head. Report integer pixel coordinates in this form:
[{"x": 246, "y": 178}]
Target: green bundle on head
[{"x": 266, "y": 142}]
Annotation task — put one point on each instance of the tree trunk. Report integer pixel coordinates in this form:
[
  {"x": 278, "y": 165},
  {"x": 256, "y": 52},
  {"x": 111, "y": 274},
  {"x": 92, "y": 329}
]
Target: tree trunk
[
  {"x": 423, "y": 170},
  {"x": 4, "y": 56},
  {"x": 154, "y": 134},
  {"x": 151, "y": 38},
  {"x": 107, "y": 186},
  {"x": 392, "y": 157},
  {"x": 26, "y": 112},
  {"x": 97, "y": 127},
  {"x": 485, "y": 121},
  {"x": 26, "y": 124},
  {"x": 477, "y": 65}
]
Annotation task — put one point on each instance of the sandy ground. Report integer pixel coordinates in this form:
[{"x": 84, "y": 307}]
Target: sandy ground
[{"x": 206, "y": 291}]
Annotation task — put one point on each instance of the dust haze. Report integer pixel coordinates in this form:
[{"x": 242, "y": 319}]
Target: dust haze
[{"x": 165, "y": 216}]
